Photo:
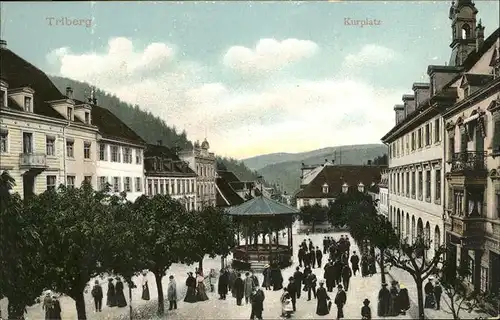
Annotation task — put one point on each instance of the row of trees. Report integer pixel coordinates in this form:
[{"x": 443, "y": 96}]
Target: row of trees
[
  {"x": 62, "y": 238},
  {"x": 418, "y": 257}
]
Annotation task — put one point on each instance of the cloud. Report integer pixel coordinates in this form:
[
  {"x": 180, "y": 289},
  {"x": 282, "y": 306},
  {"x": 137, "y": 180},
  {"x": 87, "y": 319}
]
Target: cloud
[
  {"x": 369, "y": 55},
  {"x": 289, "y": 114},
  {"x": 269, "y": 55}
]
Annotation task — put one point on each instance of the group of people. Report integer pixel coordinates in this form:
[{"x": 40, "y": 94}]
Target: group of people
[
  {"x": 433, "y": 292},
  {"x": 51, "y": 306},
  {"x": 115, "y": 297},
  {"x": 196, "y": 290},
  {"x": 394, "y": 301}
]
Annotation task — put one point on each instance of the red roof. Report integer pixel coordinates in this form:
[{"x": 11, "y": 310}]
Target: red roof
[{"x": 335, "y": 176}]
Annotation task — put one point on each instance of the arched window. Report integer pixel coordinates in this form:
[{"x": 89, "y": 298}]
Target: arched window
[
  {"x": 408, "y": 226},
  {"x": 413, "y": 229},
  {"x": 427, "y": 232},
  {"x": 437, "y": 238},
  {"x": 465, "y": 31}
]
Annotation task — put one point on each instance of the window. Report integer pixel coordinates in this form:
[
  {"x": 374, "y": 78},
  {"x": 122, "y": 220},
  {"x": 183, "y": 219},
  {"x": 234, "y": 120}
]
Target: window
[
  {"x": 103, "y": 155},
  {"x": 3, "y": 98},
  {"x": 155, "y": 183},
  {"x": 464, "y": 139},
  {"x": 50, "y": 146},
  {"x": 428, "y": 185},
  {"x": 4, "y": 145},
  {"x": 427, "y": 134},
  {"x": 484, "y": 279},
  {"x": 51, "y": 182},
  {"x": 27, "y": 104},
  {"x": 437, "y": 191},
  {"x": 178, "y": 190},
  {"x": 497, "y": 195},
  {"x": 69, "y": 113},
  {"x": 162, "y": 187},
  {"x": 451, "y": 147},
  {"x": 70, "y": 145},
  {"x": 413, "y": 141},
  {"x": 115, "y": 154},
  {"x": 88, "y": 179},
  {"x": 437, "y": 131},
  {"x": 496, "y": 137},
  {"x": 138, "y": 156},
  {"x": 407, "y": 185},
  {"x": 150, "y": 187},
  {"x": 126, "y": 185},
  {"x": 70, "y": 181},
  {"x": 138, "y": 184},
  {"x": 458, "y": 203},
  {"x": 127, "y": 155},
  {"x": 27, "y": 142},
  {"x": 420, "y": 184},
  {"x": 86, "y": 150},
  {"x": 419, "y": 138},
  {"x": 102, "y": 182},
  {"x": 116, "y": 184},
  {"x": 87, "y": 117},
  {"x": 413, "y": 175},
  {"x": 192, "y": 186}
]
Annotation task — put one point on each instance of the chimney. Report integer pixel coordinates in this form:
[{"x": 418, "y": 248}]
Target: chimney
[
  {"x": 159, "y": 142},
  {"x": 69, "y": 92},
  {"x": 3, "y": 44},
  {"x": 479, "y": 35}
]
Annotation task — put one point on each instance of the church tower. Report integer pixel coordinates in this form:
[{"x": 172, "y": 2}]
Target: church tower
[{"x": 463, "y": 25}]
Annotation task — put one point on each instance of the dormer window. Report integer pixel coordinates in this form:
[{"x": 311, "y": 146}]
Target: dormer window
[
  {"x": 325, "y": 188},
  {"x": 361, "y": 187},
  {"x": 3, "y": 98},
  {"x": 466, "y": 92},
  {"x": 345, "y": 188},
  {"x": 87, "y": 117},
  {"x": 69, "y": 113},
  {"x": 28, "y": 106}
]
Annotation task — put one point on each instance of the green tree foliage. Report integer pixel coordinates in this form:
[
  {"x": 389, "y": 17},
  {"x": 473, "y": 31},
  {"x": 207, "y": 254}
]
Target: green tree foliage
[
  {"x": 239, "y": 169},
  {"x": 21, "y": 279},
  {"x": 313, "y": 214},
  {"x": 380, "y": 160},
  {"x": 76, "y": 222}
]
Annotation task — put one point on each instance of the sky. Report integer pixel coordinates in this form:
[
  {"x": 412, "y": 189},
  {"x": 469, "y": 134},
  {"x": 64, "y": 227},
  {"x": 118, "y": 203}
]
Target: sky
[{"x": 250, "y": 77}]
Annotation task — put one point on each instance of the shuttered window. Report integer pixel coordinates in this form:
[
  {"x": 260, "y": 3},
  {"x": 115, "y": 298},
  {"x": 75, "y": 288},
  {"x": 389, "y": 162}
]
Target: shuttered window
[{"x": 496, "y": 136}]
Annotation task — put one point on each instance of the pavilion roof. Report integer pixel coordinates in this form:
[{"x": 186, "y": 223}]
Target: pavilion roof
[{"x": 261, "y": 206}]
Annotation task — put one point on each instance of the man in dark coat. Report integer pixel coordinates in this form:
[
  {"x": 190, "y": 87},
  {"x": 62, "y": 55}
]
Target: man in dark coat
[
  {"x": 311, "y": 245},
  {"x": 311, "y": 281},
  {"x": 257, "y": 299},
  {"x": 223, "y": 284},
  {"x": 319, "y": 257},
  {"x": 191, "y": 289},
  {"x": 340, "y": 301},
  {"x": 404, "y": 299},
  {"x": 438, "y": 291},
  {"x": 307, "y": 257},
  {"x": 337, "y": 272},
  {"x": 298, "y": 277},
  {"x": 429, "y": 294},
  {"x": 322, "y": 308},
  {"x": 346, "y": 276},
  {"x": 276, "y": 278},
  {"x": 329, "y": 276},
  {"x": 383, "y": 301},
  {"x": 97, "y": 295},
  {"x": 292, "y": 290},
  {"x": 239, "y": 289},
  {"x": 354, "y": 262},
  {"x": 332, "y": 251},
  {"x": 312, "y": 257},
  {"x": 301, "y": 256},
  {"x": 121, "y": 302},
  {"x": 325, "y": 244}
]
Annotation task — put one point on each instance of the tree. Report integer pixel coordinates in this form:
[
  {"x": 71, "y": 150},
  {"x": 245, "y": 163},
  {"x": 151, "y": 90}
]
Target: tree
[
  {"x": 412, "y": 258},
  {"x": 167, "y": 231},
  {"x": 76, "y": 223},
  {"x": 346, "y": 206},
  {"x": 313, "y": 214},
  {"x": 22, "y": 277},
  {"x": 459, "y": 295}
]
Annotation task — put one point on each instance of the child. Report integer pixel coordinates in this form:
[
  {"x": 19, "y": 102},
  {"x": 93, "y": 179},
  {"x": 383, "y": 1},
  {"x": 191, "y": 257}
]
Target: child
[
  {"x": 286, "y": 304},
  {"x": 366, "y": 312}
]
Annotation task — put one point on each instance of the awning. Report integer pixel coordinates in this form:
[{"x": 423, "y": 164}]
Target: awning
[{"x": 471, "y": 118}]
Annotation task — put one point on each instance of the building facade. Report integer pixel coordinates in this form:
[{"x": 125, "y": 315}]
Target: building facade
[
  {"x": 204, "y": 164},
  {"x": 383, "y": 194},
  {"x": 166, "y": 173}
]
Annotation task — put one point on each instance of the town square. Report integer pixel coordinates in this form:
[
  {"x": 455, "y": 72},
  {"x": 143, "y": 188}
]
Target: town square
[{"x": 250, "y": 160}]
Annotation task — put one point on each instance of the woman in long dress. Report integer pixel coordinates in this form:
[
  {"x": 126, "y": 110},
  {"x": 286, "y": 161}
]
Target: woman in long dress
[
  {"x": 191, "y": 288},
  {"x": 145, "y": 286},
  {"x": 56, "y": 309},
  {"x": 120, "y": 296},
  {"x": 111, "y": 294},
  {"x": 323, "y": 298},
  {"x": 201, "y": 294}
]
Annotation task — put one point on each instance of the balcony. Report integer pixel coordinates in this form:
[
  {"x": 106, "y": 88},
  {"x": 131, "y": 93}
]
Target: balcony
[
  {"x": 468, "y": 168},
  {"x": 33, "y": 160},
  {"x": 470, "y": 230}
]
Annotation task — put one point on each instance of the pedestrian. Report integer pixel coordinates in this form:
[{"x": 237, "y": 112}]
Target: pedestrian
[
  {"x": 337, "y": 272},
  {"x": 255, "y": 280},
  {"x": 232, "y": 278},
  {"x": 404, "y": 299},
  {"x": 346, "y": 276},
  {"x": 223, "y": 283},
  {"x": 191, "y": 289},
  {"x": 111, "y": 294},
  {"x": 329, "y": 276},
  {"x": 323, "y": 304},
  {"x": 340, "y": 301},
  {"x": 56, "y": 309},
  {"x": 298, "y": 277},
  {"x": 354, "y": 262},
  {"x": 145, "y": 286},
  {"x": 319, "y": 257},
  {"x": 276, "y": 278},
  {"x": 366, "y": 312},
  {"x": 267, "y": 277},
  {"x": 300, "y": 255},
  {"x": 172, "y": 293},
  {"x": 97, "y": 295},
  {"x": 383, "y": 301},
  {"x": 248, "y": 287},
  {"x": 394, "y": 309},
  {"x": 201, "y": 293},
  {"x": 239, "y": 289},
  {"x": 257, "y": 303},
  {"x": 438, "y": 291},
  {"x": 311, "y": 285},
  {"x": 120, "y": 295},
  {"x": 311, "y": 245},
  {"x": 429, "y": 294},
  {"x": 292, "y": 291},
  {"x": 47, "y": 305},
  {"x": 312, "y": 257},
  {"x": 364, "y": 266},
  {"x": 286, "y": 304}
]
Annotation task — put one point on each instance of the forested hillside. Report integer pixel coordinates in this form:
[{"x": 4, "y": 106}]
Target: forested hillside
[{"x": 150, "y": 127}]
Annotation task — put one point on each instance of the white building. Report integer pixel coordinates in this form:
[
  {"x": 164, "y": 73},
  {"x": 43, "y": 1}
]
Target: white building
[{"x": 383, "y": 194}]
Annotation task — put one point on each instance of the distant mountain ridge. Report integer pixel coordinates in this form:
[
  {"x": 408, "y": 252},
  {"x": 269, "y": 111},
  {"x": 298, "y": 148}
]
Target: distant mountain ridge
[{"x": 283, "y": 169}]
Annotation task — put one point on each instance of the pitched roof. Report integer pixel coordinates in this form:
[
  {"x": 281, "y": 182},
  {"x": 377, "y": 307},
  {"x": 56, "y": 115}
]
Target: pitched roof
[
  {"x": 242, "y": 185},
  {"x": 165, "y": 153},
  {"x": 228, "y": 176},
  {"x": 262, "y": 206},
  {"x": 19, "y": 73},
  {"x": 336, "y": 176},
  {"x": 226, "y": 196},
  {"x": 477, "y": 80}
]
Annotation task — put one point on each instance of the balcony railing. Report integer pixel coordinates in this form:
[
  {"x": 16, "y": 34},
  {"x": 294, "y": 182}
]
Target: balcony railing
[
  {"x": 468, "y": 161},
  {"x": 33, "y": 160}
]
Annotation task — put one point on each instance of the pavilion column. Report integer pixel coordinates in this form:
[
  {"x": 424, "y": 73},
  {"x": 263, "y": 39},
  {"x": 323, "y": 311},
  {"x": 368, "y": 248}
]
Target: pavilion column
[
  {"x": 277, "y": 237},
  {"x": 246, "y": 239},
  {"x": 238, "y": 234}
]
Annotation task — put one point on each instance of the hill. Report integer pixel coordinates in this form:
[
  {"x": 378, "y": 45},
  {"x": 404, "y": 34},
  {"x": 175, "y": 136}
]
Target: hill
[
  {"x": 150, "y": 127},
  {"x": 287, "y": 172}
]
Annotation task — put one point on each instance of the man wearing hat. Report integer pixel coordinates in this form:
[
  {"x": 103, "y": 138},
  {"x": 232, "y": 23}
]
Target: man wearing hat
[
  {"x": 97, "y": 295},
  {"x": 292, "y": 290},
  {"x": 340, "y": 300},
  {"x": 438, "y": 291},
  {"x": 366, "y": 312},
  {"x": 298, "y": 278},
  {"x": 383, "y": 301},
  {"x": 322, "y": 307}
]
